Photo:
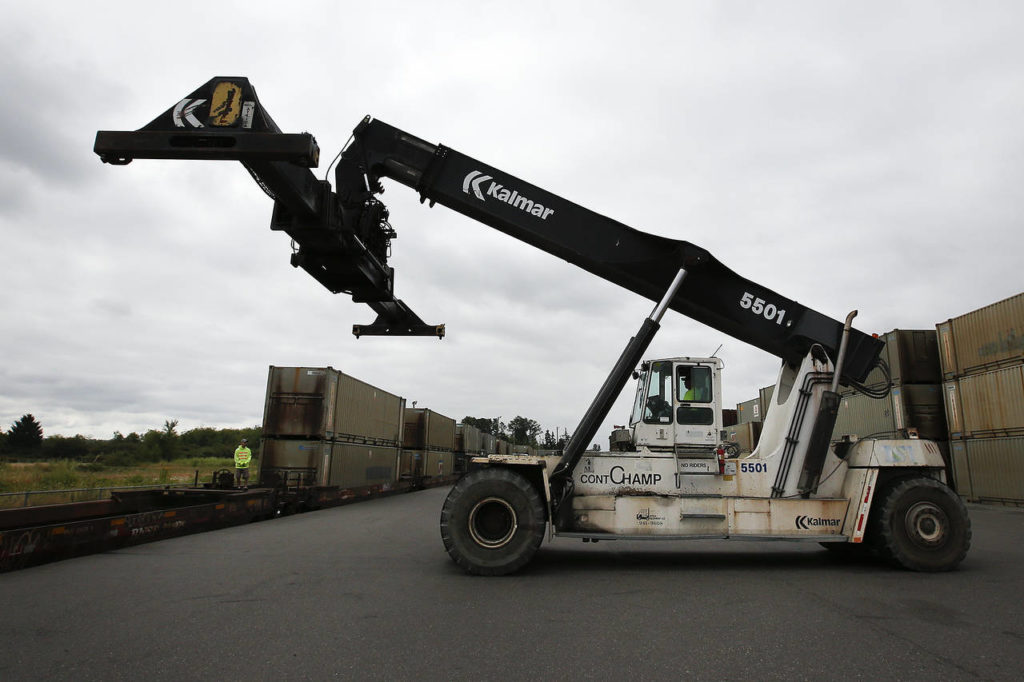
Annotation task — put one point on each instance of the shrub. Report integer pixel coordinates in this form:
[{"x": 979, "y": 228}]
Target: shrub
[{"x": 58, "y": 475}]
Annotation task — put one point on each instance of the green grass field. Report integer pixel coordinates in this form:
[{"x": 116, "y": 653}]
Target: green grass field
[{"x": 16, "y": 477}]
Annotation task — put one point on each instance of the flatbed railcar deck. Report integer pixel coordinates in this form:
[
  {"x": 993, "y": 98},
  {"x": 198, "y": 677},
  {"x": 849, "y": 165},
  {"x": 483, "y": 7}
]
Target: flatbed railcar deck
[{"x": 30, "y": 536}]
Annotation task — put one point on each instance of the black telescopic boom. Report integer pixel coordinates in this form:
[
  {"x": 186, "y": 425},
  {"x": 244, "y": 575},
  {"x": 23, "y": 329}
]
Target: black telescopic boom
[{"x": 342, "y": 238}]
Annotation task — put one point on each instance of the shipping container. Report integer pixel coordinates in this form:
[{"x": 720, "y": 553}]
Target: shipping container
[
  {"x": 354, "y": 465},
  {"x": 862, "y": 416},
  {"x": 729, "y": 417},
  {"x": 990, "y": 469},
  {"x": 764, "y": 399},
  {"x": 984, "y": 339},
  {"x": 749, "y": 411},
  {"x": 745, "y": 435},
  {"x": 300, "y": 402},
  {"x": 468, "y": 439},
  {"x": 960, "y": 471},
  {"x": 989, "y": 404},
  {"x": 323, "y": 403},
  {"x": 438, "y": 463},
  {"x": 912, "y": 356},
  {"x": 428, "y": 430},
  {"x": 920, "y": 407},
  {"x": 295, "y": 461},
  {"x": 911, "y": 406},
  {"x": 411, "y": 463},
  {"x": 367, "y": 414},
  {"x": 489, "y": 444}
]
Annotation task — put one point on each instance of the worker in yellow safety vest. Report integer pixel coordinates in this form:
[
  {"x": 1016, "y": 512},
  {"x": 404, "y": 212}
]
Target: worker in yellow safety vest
[{"x": 243, "y": 455}]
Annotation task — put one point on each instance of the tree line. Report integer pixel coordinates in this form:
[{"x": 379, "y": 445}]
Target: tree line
[
  {"x": 520, "y": 431},
  {"x": 25, "y": 440}
]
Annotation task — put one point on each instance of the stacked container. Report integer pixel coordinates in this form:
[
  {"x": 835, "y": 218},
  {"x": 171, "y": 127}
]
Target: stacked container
[
  {"x": 914, "y": 402},
  {"x": 429, "y": 444},
  {"x": 469, "y": 443},
  {"x": 745, "y": 435},
  {"x": 469, "y": 439},
  {"x": 744, "y": 428},
  {"x": 982, "y": 358},
  {"x": 489, "y": 443},
  {"x": 749, "y": 411},
  {"x": 754, "y": 410},
  {"x": 323, "y": 427}
]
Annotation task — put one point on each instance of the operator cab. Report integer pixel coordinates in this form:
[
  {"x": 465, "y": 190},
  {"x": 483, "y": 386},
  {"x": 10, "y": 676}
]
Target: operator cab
[{"x": 678, "y": 406}]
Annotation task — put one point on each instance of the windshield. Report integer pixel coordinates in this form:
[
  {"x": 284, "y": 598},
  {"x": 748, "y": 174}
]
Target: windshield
[{"x": 658, "y": 403}]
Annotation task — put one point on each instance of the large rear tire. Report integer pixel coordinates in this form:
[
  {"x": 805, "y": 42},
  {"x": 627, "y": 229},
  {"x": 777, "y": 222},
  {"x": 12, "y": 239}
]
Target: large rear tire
[
  {"x": 492, "y": 521},
  {"x": 923, "y": 525}
]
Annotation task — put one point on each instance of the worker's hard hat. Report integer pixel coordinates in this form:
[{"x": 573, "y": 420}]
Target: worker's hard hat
[{"x": 245, "y": 440}]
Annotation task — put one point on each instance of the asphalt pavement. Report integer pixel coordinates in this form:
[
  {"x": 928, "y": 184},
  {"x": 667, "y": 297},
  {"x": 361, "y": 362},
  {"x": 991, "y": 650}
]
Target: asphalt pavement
[{"x": 366, "y": 591}]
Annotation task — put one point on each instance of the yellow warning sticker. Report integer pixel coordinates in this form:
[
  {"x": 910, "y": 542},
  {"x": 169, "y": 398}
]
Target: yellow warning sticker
[{"x": 226, "y": 104}]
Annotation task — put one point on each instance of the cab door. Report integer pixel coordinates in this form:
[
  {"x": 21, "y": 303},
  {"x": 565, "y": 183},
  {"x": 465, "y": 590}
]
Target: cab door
[
  {"x": 697, "y": 407},
  {"x": 653, "y": 411}
]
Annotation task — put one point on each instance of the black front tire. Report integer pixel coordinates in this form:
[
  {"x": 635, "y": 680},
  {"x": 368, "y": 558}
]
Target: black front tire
[
  {"x": 492, "y": 522},
  {"x": 923, "y": 525}
]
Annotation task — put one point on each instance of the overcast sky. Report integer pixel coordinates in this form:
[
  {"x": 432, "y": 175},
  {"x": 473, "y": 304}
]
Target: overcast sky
[{"x": 848, "y": 155}]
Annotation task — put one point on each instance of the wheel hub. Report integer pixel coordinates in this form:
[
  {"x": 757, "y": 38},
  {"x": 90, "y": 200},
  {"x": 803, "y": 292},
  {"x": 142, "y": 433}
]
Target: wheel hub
[
  {"x": 926, "y": 524},
  {"x": 492, "y": 522}
]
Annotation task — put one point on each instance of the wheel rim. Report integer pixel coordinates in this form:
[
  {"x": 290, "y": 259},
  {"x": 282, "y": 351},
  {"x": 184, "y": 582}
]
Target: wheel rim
[
  {"x": 492, "y": 522},
  {"x": 926, "y": 524}
]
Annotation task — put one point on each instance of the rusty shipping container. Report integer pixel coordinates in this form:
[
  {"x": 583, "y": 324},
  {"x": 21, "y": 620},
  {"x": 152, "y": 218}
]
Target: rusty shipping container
[
  {"x": 984, "y": 339},
  {"x": 300, "y": 402},
  {"x": 990, "y": 469},
  {"x": 428, "y": 430},
  {"x": 367, "y": 414},
  {"x": 323, "y": 462},
  {"x": 920, "y": 406},
  {"x": 295, "y": 461},
  {"x": 986, "y": 405},
  {"x": 912, "y": 356},
  {"x": 323, "y": 403}
]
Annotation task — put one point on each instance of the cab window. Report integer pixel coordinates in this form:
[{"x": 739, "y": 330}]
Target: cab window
[{"x": 694, "y": 384}]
